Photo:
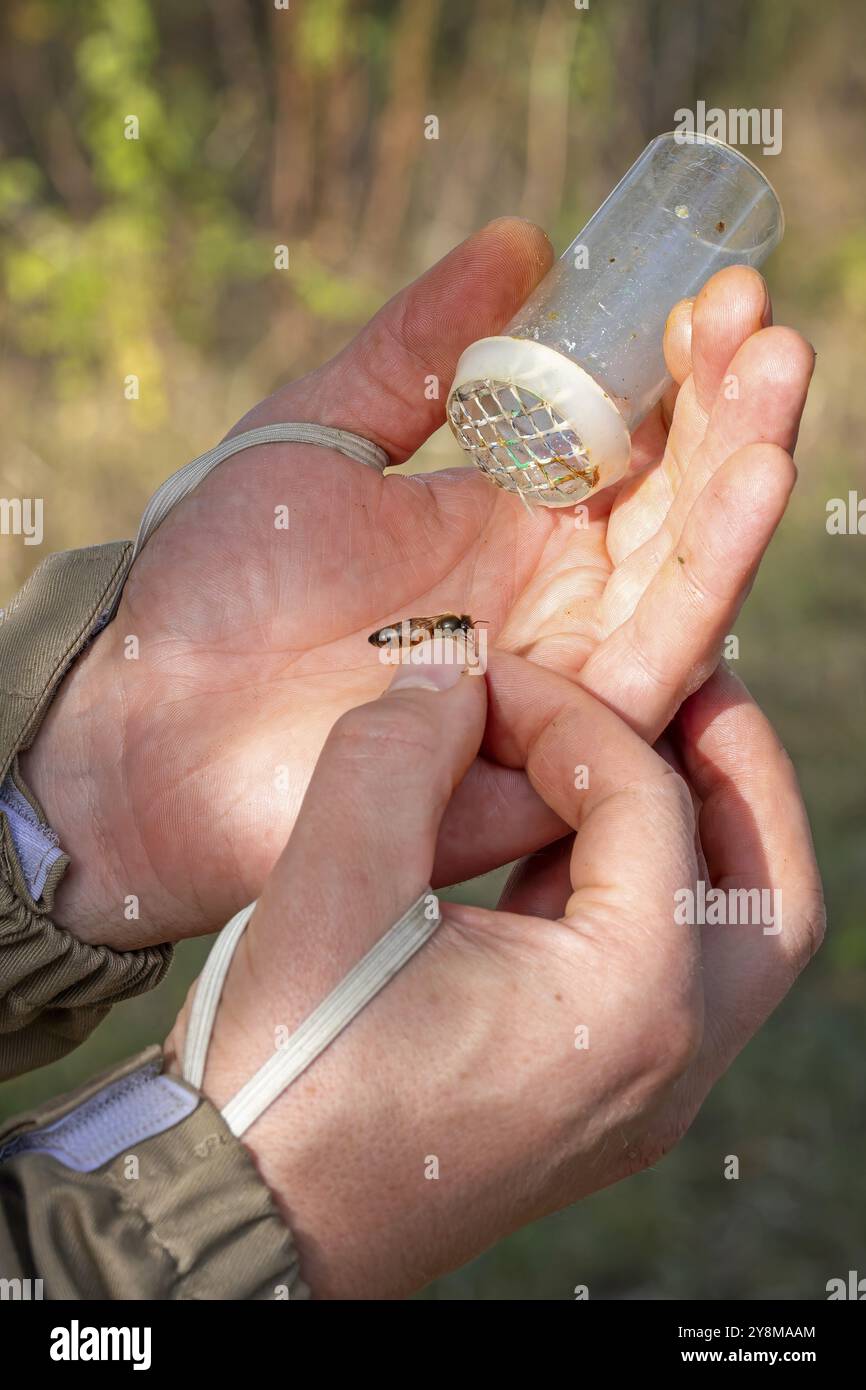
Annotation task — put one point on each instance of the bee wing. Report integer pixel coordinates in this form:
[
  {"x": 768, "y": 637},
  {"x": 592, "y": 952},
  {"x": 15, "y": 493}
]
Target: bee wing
[
  {"x": 430, "y": 623},
  {"x": 419, "y": 628}
]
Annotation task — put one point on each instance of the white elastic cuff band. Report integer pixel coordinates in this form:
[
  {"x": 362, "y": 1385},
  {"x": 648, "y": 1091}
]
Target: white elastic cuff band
[{"x": 320, "y": 1028}]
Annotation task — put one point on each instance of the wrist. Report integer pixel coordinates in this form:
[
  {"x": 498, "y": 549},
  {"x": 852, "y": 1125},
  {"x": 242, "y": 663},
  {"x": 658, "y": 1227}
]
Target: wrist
[
  {"x": 72, "y": 773},
  {"x": 303, "y": 1147},
  {"x": 350, "y": 1151}
]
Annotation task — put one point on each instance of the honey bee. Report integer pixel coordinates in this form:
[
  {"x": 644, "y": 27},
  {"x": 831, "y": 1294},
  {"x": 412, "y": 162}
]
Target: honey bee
[{"x": 411, "y": 631}]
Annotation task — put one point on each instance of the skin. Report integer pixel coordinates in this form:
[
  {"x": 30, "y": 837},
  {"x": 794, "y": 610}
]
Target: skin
[
  {"x": 179, "y": 776},
  {"x": 469, "y": 1053}
]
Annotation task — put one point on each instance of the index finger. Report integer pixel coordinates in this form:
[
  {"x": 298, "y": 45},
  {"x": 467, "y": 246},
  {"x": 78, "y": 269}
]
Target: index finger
[{"x": 634, "y": 816}]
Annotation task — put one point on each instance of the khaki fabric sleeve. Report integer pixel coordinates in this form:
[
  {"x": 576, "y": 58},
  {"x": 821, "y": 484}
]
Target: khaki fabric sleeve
[
  {"x": 54, "y": 989},
  {"x": 133, "y": 1187}
]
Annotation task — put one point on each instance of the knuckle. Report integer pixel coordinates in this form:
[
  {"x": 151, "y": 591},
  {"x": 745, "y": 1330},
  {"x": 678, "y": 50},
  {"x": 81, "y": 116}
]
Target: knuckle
[
  {"x": 655, "y": 1109},
  {"x": 670, "y": 808},
  {"x": 649, "y": 1147},
  {"x": 676, "y": 790},
  {"x": 670, "y": 1047},
  {"x": 706, "y": 578},
  {"x": 659, "y": 1044},
  {"x": 650, "y": 664}
]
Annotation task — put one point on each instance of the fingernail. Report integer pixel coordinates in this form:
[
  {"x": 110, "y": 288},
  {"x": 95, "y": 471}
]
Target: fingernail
[{"x": 429, "y": 666}]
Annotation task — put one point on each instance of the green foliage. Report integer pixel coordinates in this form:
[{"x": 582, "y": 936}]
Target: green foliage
[
  {"x": 155, "y": 257},
  {"x": 321, "y": 34}
]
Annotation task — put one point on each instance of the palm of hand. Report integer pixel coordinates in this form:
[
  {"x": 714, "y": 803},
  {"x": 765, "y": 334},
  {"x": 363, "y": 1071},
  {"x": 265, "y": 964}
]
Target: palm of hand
[
  {"x": 252, "y": 639},
  {"x": 240, "y": 682}
]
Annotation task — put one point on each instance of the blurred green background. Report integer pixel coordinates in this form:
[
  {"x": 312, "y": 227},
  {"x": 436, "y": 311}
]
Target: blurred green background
[{"x": 155, "y": 257}]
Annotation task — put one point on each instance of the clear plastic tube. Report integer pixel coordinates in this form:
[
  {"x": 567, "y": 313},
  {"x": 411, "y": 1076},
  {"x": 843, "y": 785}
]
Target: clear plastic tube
[{"x": 688, "y": 206}]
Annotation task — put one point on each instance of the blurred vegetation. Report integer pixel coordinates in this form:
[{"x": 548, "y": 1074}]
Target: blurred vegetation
[{"x": 155, "y": 257}]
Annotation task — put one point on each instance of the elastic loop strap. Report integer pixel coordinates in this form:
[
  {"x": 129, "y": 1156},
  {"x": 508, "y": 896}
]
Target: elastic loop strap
[
  {"x": 186, "y": 479},
  {"x": 326, "y": 1022},
  {"x": 207, "y": 997}
]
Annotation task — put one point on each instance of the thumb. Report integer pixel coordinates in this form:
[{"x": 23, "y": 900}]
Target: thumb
[
  {"x": 363, "y": 846},
  {"x": 376, "y": 385}
]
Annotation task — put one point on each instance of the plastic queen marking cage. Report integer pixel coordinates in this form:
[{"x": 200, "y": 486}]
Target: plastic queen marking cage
[{"x": 546, "y": 409}]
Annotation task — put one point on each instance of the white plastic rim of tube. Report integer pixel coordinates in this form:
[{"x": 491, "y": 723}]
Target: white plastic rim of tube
[{"x": 584, "y": 407}]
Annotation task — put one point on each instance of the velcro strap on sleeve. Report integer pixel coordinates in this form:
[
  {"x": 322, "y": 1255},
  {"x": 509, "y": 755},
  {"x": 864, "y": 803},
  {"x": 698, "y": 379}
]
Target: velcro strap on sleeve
[{"x": 175, "y": 1209}]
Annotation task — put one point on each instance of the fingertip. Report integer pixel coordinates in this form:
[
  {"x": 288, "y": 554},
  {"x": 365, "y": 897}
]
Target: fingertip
[
  {"x": 523, "y": 235},
  {"x": 678, "y": 340},
  {"x": 451, "y": 669},
  {"x": 738, "y": 293},
  {"x": 778, "y": 464},
  {"x": 785, "y": 355},
  {"x": 768, "y": 462},
  {"x": 730, "y": 308},
  {"x": 502, "y": 262}
]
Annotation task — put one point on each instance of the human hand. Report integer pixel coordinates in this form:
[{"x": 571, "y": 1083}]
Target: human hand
[
  {"x": 475, "y": 1056},
  {"x": 177, "y": 777}
]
